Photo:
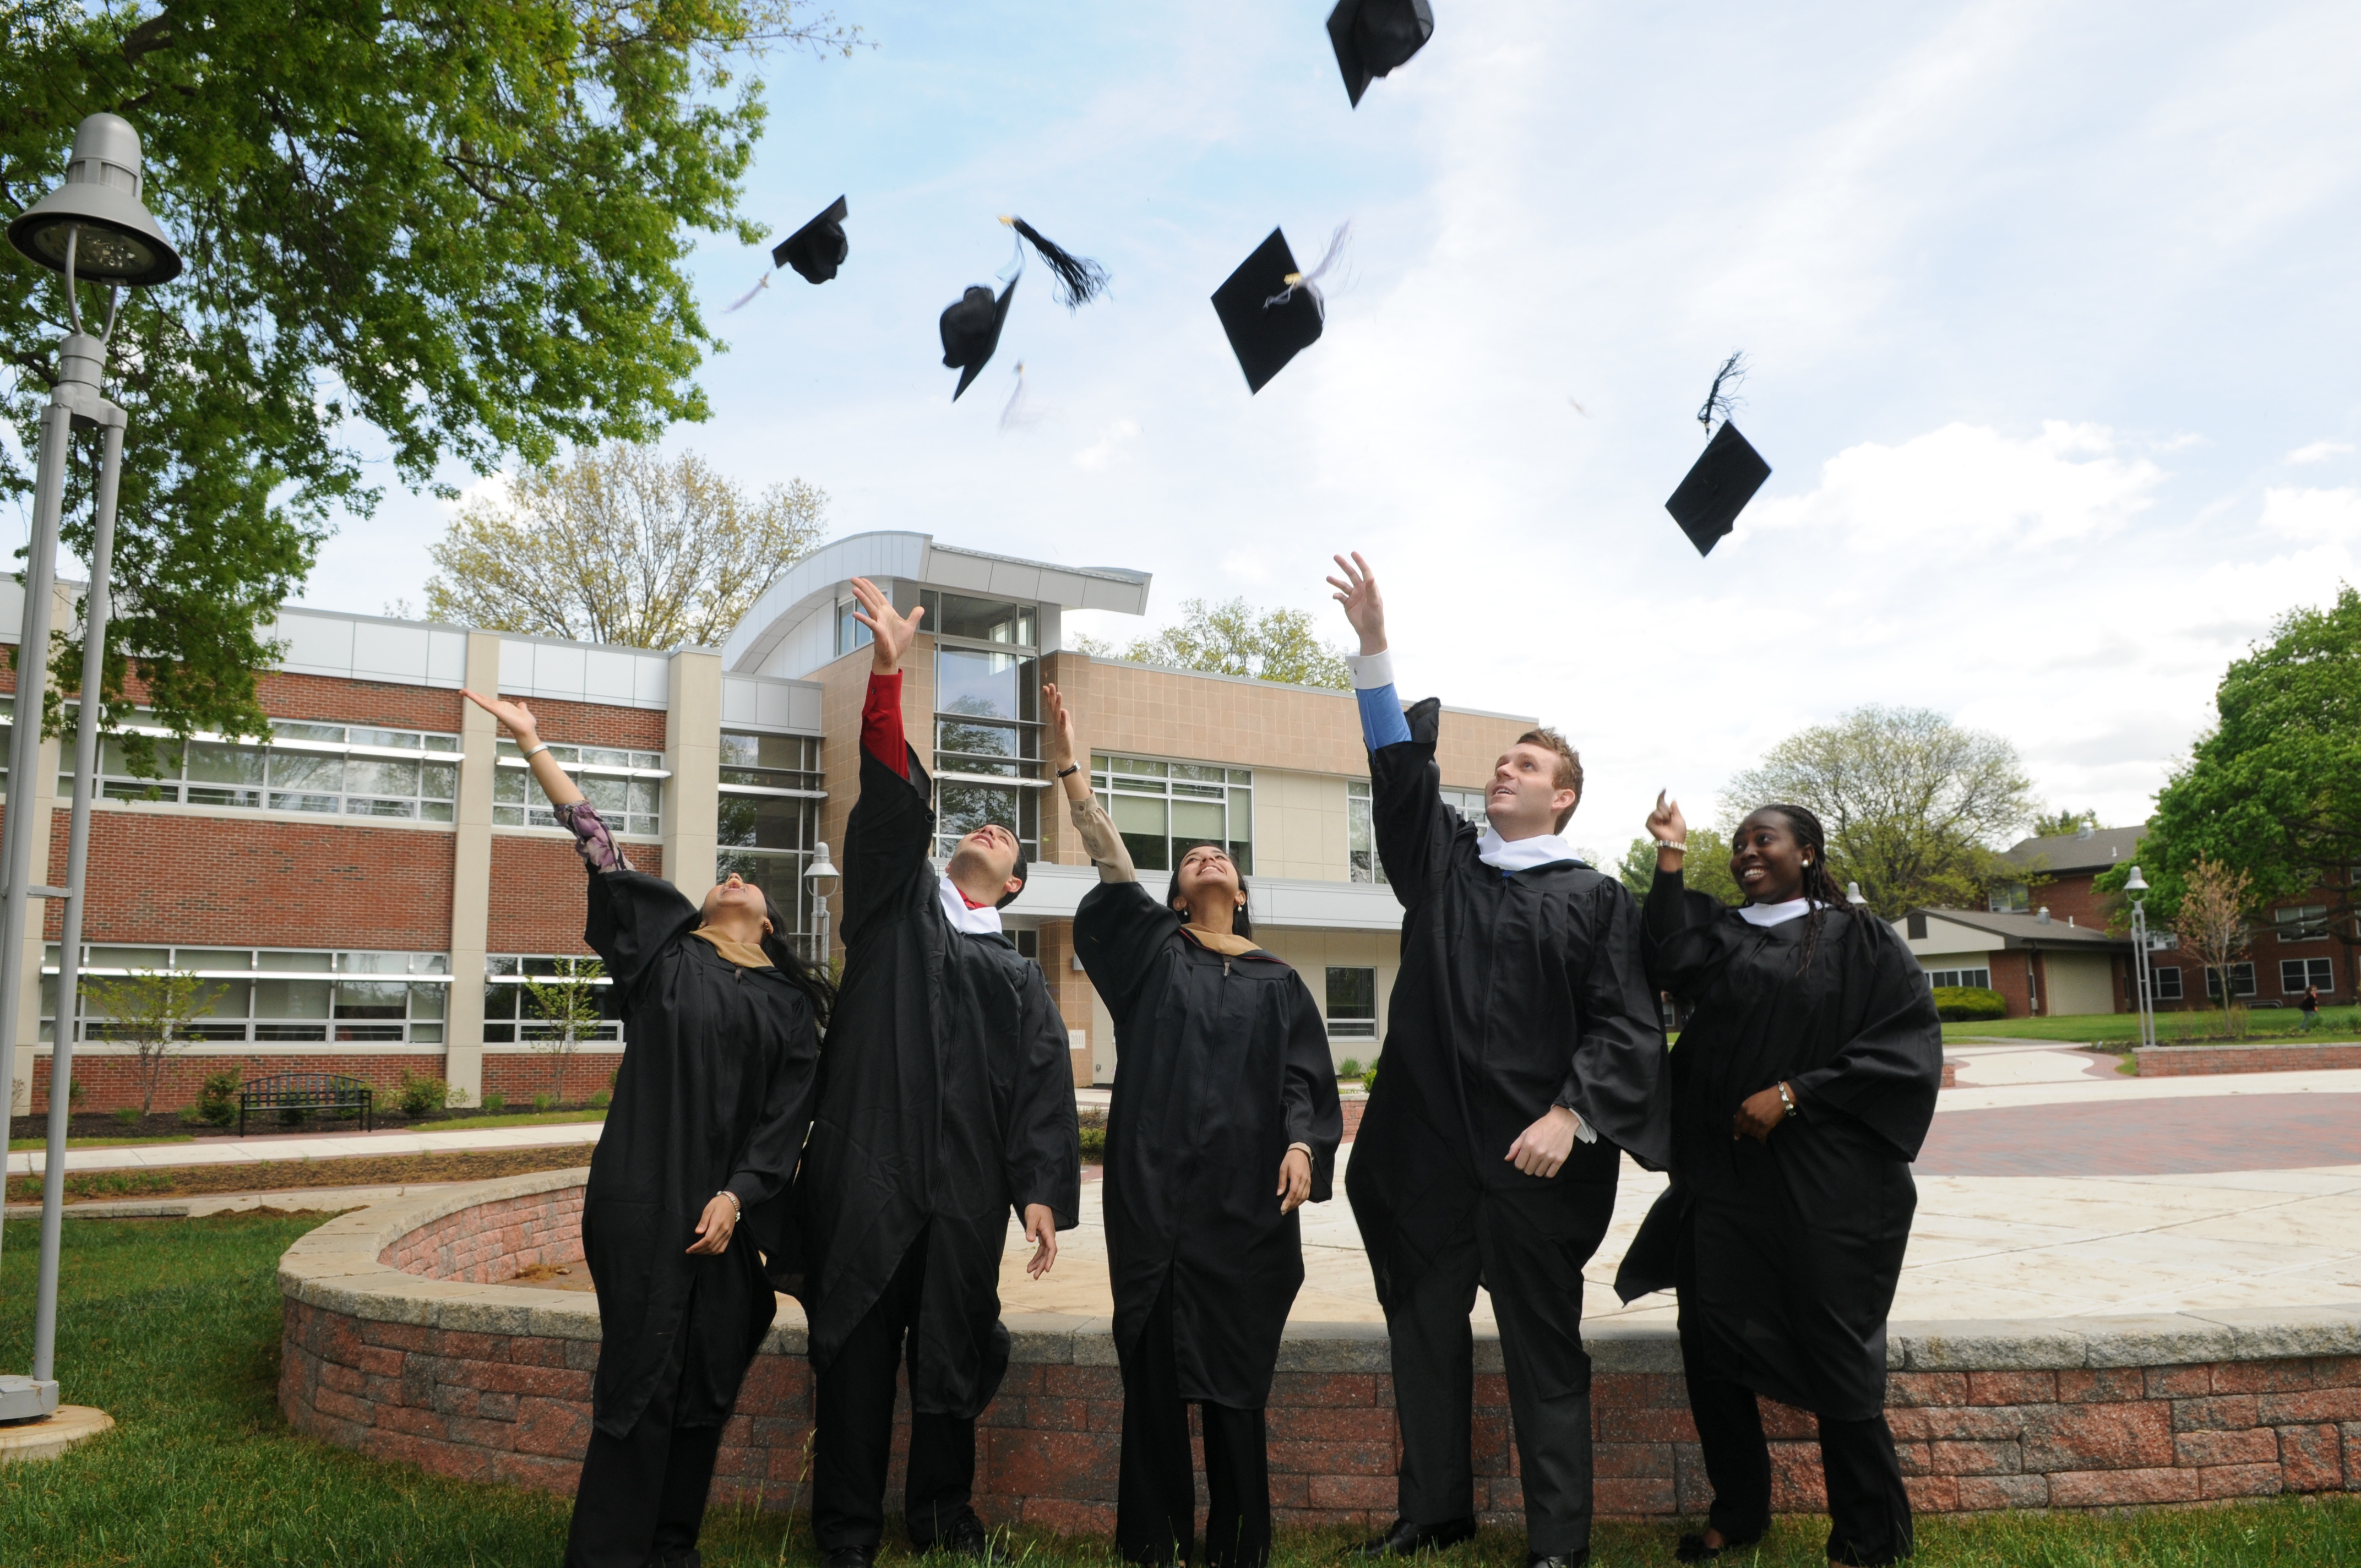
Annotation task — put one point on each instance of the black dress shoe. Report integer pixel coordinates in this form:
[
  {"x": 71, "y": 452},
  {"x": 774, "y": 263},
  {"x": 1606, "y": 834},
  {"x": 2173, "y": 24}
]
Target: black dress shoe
[
  {"x": 1693, "y": 1549},
  {"x": 1557, "y": 1559},
  {"x": 966, "y": 1537},
  {"x": 851, "y": 1557},
  {"x": 1405, "y": 1539}
]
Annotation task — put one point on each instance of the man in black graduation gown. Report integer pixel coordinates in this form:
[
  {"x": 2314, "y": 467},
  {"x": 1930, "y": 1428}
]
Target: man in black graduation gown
[
  {"x": 946, "y": 1102},
  {"x": 1523, "y": 1054}
]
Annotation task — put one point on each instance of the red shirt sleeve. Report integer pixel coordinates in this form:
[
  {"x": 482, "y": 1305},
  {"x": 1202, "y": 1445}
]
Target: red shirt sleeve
[{"x": 880, "y": 723}]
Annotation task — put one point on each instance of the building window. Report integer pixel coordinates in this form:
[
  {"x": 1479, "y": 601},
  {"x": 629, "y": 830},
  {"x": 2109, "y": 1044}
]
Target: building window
[
  {"x": 273, "y": 996},
  {"x": 1469, "y": 803},
  {"x": 1352, "y": 1004},
  {"x": 987, "y": 718},
  {"x": 341, "y": 770},
  {"x": 767, "y": 762},
  {"x": 514, "y": 1015},
  {"x": 2166, "y": 978},
  {"x": 2296, "y": 973},
  {"x": 1361, "y": 834},
  {"x": 768, "y": 821},
  {"x": 850, "y": 633},
  {"x": 625, "y": 786},
  {"x": 1979, "y": 978},
  {"x": 1165, "y": 809},
  {"x": 2301, "y": 923},
  {"x": 2242, "y": 981},
  {"x": 2008, "y": 898}
]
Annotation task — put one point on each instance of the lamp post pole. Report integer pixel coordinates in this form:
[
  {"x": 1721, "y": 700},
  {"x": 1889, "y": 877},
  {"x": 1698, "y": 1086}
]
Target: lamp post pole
[
  {"x": 822, "y": 875},
  {"x": 93, "y": 224},
  {"x": 2146, "y": 1000}
]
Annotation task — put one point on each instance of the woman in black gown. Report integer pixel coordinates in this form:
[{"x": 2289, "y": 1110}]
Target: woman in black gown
[
  {"x": 1225, "y": 1082},
  {"x": 720, "y": 1049},
  {"x": 1803, "y": 1083}
]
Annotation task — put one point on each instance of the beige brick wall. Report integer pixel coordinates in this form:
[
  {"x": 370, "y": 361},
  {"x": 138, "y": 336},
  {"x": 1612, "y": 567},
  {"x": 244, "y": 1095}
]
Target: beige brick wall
[
  {"x": 1299, "y": 825},
  {"x": 1312, "y": 951}
]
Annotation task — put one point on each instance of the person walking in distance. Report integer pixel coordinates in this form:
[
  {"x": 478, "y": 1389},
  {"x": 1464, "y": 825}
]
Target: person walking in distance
[{"x": 1523, "y": 1055}]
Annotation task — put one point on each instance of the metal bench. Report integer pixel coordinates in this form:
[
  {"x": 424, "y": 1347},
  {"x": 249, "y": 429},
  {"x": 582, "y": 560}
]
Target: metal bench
[{"x": 333, "y": 1092}]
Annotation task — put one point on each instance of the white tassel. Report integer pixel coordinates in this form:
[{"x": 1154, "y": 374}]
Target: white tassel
[
  {"x": 748, "y": 297},
  {"x": 1015, "y": 415},
  {"x": 1309, "y": 281}
]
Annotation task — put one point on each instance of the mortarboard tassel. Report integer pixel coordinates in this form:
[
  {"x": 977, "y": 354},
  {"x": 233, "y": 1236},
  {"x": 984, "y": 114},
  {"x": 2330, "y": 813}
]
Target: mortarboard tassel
[
  {"x": 1015, "y": 414},
  {"x": 1718, "y": 401},
  {"x": 1309, "y": 281},
  {"x": 1080, "y": 280},
  {"x": 748, "y": 297}
]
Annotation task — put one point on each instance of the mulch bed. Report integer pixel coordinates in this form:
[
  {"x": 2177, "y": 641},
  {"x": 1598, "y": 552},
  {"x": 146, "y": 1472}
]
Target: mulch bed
[{"x": 287, "y": 1175}]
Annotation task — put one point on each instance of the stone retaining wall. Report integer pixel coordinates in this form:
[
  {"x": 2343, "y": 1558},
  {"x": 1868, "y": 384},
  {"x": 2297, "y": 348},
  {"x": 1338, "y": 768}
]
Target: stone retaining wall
[
  {"x": 2184, "y": 1061},
  {"x": 493, "y": 1383}
]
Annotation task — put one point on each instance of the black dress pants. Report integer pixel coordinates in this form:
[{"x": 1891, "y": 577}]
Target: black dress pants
[
  {"x": 1869, "y": 1509},
  {"x": 856, "y": 1431},
  {"x": 1156, "y": 1490},
  {"x": 1527, "y": 1247},
  {"x": 642, "y": 1497}
]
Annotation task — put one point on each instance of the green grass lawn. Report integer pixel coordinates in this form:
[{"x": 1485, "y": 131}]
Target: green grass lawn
[
  {"x": 17, "y": 1144},
  {"x": 507, "y": 1119},
  {"x": 2264, "y": 1024},
  {"x": 172, "y": 1327}
]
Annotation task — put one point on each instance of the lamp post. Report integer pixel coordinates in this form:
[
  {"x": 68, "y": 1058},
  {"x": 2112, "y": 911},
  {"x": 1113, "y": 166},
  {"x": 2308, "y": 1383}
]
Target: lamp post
[
  {"x": 2137, "y": 883},
  {"x": 822, "y": 874},
  {"x": 92, "y": 229}
]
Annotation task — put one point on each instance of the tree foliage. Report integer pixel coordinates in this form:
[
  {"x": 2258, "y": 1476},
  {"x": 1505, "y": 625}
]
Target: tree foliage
[
  {"x": 2274, "y": 790},
  {"x": 2058, "y": 824},
  {"x": 151, "y": 1011},
  {"x": 2211, "y": 918},
  {"x": 1913, "y": 804},
  {"x": 462, "y": 224},
  {"x": 1705, "y": 868},
  {"x": 1236, "y": 639},
  {"x": 567, "y": 1012},
  {"x": 621, "y": 545}
]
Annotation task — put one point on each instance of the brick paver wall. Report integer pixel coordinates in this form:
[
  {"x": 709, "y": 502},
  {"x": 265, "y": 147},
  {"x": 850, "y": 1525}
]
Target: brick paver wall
[
  {"x": 515, "y": 1407},
  {"x": 2185, "y": 1061}
]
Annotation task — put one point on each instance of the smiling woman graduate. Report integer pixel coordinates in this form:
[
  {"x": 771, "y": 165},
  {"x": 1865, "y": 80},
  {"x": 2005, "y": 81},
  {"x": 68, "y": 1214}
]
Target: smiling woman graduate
[
  {"x": 1802, "y": 1084},
  {"x": 721, "y": 1047},
  {"x": 1225, "y": 1119}
]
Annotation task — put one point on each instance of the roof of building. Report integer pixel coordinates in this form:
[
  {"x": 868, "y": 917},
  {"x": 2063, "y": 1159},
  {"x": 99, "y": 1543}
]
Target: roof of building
[
  {"x": 2019, "y": 929},
  {"x": 2092, "y": 850}
]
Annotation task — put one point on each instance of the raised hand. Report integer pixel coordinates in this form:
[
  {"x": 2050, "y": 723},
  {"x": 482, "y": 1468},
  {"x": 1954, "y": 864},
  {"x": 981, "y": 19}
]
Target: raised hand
[
  {"x": 1356, "y": 590},
  {"x": 1665, "y": 824},
  {"x": 515, "y": 715},
  {"x": 890, "y": 633},
  {"x": 1056, "y": 728}
]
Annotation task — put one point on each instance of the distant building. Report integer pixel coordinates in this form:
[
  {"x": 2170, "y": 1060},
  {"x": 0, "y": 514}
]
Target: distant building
[{"x": 374, "y": 891}]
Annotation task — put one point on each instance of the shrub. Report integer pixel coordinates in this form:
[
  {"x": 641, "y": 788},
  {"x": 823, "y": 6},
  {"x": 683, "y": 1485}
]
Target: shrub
[
  {"x": 1965, "y": 1003},
  {"x": 495, "y": 1102},
  {"x": 124, "y": 1116},
  {"x": 420, "y": 1094},
  {"x": 1369, "y": 1078},
  {"x": 544, "y": 1101},
  {"x": 76, "y": 1090},
  {"x": 217, "y": 1099},
  {"x": 600, "y": 1099},
  {"x": 1349, "y": 1067},
  {"x": 1094, "y": 1143}
]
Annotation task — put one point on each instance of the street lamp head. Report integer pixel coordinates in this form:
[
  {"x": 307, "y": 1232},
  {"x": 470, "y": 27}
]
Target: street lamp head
[
  {"x": 822, "y": 872},
  {"x": 94, "y": 222},
  {"x": 2136, "y": 882},
  {"x": 1852, "y": 894}
]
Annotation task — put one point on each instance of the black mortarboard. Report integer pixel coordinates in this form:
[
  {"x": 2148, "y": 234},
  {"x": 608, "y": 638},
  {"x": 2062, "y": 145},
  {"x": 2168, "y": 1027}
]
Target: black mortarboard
[
  {"x": 971, "y": 331},
  {"x": 817, "y": 250},
  {"x": 1372, "y": 37},
  {"x": 1719, "y": 486},
  {"x": 1269, "y": 314}
]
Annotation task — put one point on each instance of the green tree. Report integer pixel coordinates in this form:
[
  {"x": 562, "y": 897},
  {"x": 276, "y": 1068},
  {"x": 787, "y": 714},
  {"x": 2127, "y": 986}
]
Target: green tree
[
  {"x": 1705, "y": 868},
  {"x": 2058, "y": 824},
  {"x": 621, "y": 545},
  {"x": 2274, "y": 790},
  {"x": 566, "y": 1013},
  {"x": 1236, "y": 639},
  {"x": 1912, "y": 803},
  {"x": 2210, "y": 920},
  {"x": 151, "y": 1011},
  {"x": 438, "y": 228}
]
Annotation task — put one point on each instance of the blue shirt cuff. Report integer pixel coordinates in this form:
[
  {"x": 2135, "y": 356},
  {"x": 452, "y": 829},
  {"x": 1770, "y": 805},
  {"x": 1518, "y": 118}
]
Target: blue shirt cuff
[{"x": 1382, "y": 723}]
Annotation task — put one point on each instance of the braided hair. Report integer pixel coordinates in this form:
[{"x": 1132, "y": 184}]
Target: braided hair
[{"x": 1819, "y": 888}]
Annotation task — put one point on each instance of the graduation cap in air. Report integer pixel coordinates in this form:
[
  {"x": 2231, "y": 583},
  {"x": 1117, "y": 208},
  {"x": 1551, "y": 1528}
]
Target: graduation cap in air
[
  {"x": 1725, "y": 476},
  {"x": 1372, "y": 37},
  {"x": 971, "y": 331},
  {"x": 817, "y": 250},
  {"x": 1271, "y": 309}
]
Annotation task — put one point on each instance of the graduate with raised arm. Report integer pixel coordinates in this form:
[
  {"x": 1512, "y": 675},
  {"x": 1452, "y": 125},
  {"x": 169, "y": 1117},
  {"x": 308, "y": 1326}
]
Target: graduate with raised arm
[
  {"x": 720, "y": 1046},
  {"x": 1804, "y": 1084},
  {"x": 1522, "y": 1053},
  {"x": 1227, "y": 1083},
  {"x": 947, "y": 1105}
]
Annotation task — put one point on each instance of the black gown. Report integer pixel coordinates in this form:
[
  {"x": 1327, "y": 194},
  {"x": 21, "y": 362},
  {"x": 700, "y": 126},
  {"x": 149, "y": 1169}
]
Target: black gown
[
  {"x": 946, "y": 1102},
  {"x": 1224, "y": 1064},
  {"x": 1516, "y": 994},
  {"x": 1796, "y": 1243},
  {"x": 715, "y": 1090}
]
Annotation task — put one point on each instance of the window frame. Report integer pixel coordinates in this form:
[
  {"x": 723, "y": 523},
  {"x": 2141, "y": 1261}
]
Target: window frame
[
  {"x": 336, "y": 968},
  {"x": 2324, "y": 969},
  {"x": 2162, "y": 989},
  {"x": 430, "y": 752},
  {"x": 2300, "y": 923},
  {"x": 2242, "y": 981},
  {"x": 1236, "y": 782},
  {"x": 1350, "y": 1027}
]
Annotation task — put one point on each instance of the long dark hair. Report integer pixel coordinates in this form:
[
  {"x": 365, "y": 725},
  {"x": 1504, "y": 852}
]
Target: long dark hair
[
  {"x": 1820, "y": 887},
  {"x": 1241, "y": 923},
  {"x": 809, "y": 978}
]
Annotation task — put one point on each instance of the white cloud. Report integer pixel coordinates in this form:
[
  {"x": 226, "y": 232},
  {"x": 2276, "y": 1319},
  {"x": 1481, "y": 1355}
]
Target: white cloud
[
  {"x": 2319, "y": 452},
  {"x": 2317, "y": 517},
  {"x": 1110, "y": 448}
]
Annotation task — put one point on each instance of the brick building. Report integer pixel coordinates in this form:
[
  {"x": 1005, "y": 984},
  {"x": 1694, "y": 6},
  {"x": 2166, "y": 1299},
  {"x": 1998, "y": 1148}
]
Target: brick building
[
  {"x": 381, "y": 889},
  {"x": 2044, "y": 942}
]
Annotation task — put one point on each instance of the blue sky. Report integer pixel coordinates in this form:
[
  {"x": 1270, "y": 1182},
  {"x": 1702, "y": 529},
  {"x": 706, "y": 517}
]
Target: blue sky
[{"x": 2047, "y": 306}]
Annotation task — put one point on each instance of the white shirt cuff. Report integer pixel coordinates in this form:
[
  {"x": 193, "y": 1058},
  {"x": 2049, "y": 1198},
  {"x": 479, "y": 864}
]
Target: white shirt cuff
[
  {"x": 1582, "y": 1129},
  {"x": 1371, "y": 671}
]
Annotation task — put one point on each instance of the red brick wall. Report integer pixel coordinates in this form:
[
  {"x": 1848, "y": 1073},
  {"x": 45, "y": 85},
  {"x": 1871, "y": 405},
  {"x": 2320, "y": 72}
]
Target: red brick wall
[
  {"x": 277, "y": 881},
  {"x": 494, "y": 1242},
  {"x": 110, "y": 1082},
  {"x": 387, "y": 703},
  {"x": 2008, "y": 979},
  {"x": 521, "y": 1074},
  {"x": 2189, "y": 1061},
  {"x": 537, "y": 893},
  {"x": 596, "y": 724}
]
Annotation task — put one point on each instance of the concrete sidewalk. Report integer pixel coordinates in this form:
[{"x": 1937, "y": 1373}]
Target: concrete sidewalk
[{"x": 284, "y": 1147}]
